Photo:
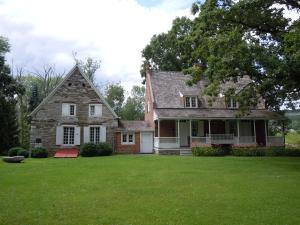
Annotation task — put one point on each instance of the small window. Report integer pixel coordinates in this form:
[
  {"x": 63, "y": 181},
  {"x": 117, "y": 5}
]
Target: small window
[
  {"x": 68, "y": 109},
  {"x": 70, "y": 84},
  {"x": 72, "y": 110},
  {"x": 127, "y": 138},
  {"x": 95, "y": 110},
  {"x": 232, "y": 103},
  {"x": 191, "y": 102}
]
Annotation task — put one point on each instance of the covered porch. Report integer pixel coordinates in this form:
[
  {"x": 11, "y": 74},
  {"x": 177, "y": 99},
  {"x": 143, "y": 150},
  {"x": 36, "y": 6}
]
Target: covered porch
[{"x": 187, "y": 133}]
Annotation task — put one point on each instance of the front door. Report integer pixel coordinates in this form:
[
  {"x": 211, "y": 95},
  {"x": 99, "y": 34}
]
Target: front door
[
  {"x": 184, "y": 133},
  {"x": 146, "y": 142},
  {"x": 260, "y": 132}
]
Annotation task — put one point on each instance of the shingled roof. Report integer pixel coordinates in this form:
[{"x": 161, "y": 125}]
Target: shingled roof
[{"x": 134, "y": 125}]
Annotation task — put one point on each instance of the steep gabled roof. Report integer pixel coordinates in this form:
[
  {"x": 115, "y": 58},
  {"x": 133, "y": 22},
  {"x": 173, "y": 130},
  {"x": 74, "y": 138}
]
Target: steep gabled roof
[
  {"x": 168, "y": 87},
  {"x": 76, "y": 67}
]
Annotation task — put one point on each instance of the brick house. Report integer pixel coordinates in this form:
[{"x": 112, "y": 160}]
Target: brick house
[
  {"x": 72, "y": 114},
  {"x": 182, "y": 117}
]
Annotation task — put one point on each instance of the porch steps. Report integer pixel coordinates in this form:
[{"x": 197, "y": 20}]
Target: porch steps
[
  {"x": 67, "y": 153},
  {"x": 186, "y": 152}
]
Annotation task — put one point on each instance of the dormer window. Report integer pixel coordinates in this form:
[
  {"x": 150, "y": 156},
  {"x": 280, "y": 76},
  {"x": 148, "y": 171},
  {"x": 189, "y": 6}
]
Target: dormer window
[
  {"x": 232, "y": 103},
  {"x": 191, "y": 102}
]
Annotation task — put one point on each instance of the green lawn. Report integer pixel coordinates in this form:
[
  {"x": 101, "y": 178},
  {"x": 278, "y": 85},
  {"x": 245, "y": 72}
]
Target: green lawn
[
  {"x": 292, "y": 138},
  {"x": 151, "y": 190}
]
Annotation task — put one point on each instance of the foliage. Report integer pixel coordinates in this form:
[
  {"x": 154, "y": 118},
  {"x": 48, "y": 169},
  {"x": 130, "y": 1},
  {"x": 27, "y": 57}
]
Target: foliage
[
  {"x": 114, "y": 95},
  {"x": 23, "y": 152},
  {"x": 228, "y": 39},
  {"x": 293, "y": 138},
  {"x": 9, "y": 89},
  {"x": 104, "y": 149},
  {"x": 209, "y": 151},
  {"x": 14, "y": 151},
  {"x": 89, "y": 66},
  {"x": 39, "y": 152},
  {"x": 91, "y": 149},
  {"x": 267, "y": 151},
  {"x": 134, "y": 106},
  {"x": 88, "y": 150}
]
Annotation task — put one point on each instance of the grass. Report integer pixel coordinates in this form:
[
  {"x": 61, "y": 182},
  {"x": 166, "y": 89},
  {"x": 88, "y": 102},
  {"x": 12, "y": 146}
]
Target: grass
[
  {"x": 151, "y": 190},
  {"x": 292, "y": 138}
]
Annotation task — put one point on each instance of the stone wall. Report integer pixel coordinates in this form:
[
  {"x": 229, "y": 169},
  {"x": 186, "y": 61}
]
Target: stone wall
[{"x": 74, "y": 90}]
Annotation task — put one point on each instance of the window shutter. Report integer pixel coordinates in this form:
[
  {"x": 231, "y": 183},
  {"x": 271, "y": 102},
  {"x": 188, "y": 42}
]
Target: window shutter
[
  {"x": 102, "y": 134},
  {"x": 65, "y": 109},
  {"x": 77, "y": 136},
  {"x": 59, "y": 135},
  {"x": 86, "y": 134},
  {"x": 98, "y": 110}
]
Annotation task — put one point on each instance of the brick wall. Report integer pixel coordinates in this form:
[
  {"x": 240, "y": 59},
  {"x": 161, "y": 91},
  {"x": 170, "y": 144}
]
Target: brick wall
[{"x": 127, "y": 148}]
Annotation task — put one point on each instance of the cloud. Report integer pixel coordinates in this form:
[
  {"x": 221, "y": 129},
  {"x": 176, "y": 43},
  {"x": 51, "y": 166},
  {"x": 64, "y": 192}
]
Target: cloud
[{"x": 115, "y": 31}]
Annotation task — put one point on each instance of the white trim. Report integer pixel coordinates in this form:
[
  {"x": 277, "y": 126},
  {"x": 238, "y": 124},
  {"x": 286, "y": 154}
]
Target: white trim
[
  {"x": 61, "y": 83},
  {"x": 189, "y": 97},
  {"x": 127, "y": 138}
]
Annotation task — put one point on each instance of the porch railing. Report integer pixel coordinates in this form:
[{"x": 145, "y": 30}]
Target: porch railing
[
  {"x": 166, "y": 142},
  {"x": 203, "y": 140},
  {"x": 222, "y": 138},
  {"x": 247, "y": 139},
  {"x": 275, "y": 140}
]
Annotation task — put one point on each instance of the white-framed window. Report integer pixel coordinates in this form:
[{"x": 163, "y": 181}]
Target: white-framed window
[
  {"x": 68, "y": 109},
  {"x": 127, "y": 138},
  {"x": 95, "y": 135},
  {"x": 68, "y": 135},
  {"x": 95, "y": 110},
  {"x": 191, "y": 102},
  {"x": 232, "y": 103}
]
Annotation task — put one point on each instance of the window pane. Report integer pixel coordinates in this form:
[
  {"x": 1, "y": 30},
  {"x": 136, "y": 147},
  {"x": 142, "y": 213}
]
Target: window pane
[
  {"x": 66, "y": 131},
  {"x": 124, "y": 138},
  {"x": 72, "y": 110},
  {"x": 194, "y": 128},
  {"x": 92, "y": 110},
  {"x": 193, "y": 102},
  {"x": 92, "y": 134},
  {"x": 130, "y": 138},
  {"x": 97, "y": 135},
  {"x": 187, "y": 102},
  {"x": 71, "y": 137}
]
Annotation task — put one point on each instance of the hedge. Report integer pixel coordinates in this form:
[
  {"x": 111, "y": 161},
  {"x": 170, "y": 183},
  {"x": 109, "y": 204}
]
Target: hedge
[
  {"x": 91, "y": 149},
  {"x": 39, "y": 153},
  {"x": 18, "y": 151},
  {"x": 245, "y": 151}
]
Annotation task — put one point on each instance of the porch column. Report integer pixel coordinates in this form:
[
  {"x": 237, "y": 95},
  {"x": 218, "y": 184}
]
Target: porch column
[
  {"x": 254, "y": 131},
  {"x": 158, "y": 128},
  {"x": 238, "y": 131},
  {"x": 266, "y": 132},
  {"x": 178, "y": 132},
  {"x": 190, "y": 133},
  {"x": 209, "y": 131}
]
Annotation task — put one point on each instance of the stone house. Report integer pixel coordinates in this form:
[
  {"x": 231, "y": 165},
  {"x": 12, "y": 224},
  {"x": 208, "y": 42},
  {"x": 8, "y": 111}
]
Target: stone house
[
  {"x": 182, "y": 117},
  {"x": 72, "y": 114}
]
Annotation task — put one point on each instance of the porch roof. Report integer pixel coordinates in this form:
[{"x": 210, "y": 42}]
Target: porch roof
[
  {"x": 200, "y": 113},
  {"x": 133, "y": 125}
]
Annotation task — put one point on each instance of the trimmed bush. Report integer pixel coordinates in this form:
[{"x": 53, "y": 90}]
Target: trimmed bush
[
  {"x": 104, "y": 149},
  {"x": 39, "y": 153},
  {"x": 248, "y": 151},
  {"x": 23, "y": 152},
  {"x": 209, "y": 151},
  {"x": 88, "y": 150},
  {"x": 14, "y": 151}
]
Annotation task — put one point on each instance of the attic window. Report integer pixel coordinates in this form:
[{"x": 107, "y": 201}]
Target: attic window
[
  {"x": 191, "y": 102},
  {"x": 69, "y": 84},
  {"x": 232, "y": 103},
  {"x": 83, "y": 85}
]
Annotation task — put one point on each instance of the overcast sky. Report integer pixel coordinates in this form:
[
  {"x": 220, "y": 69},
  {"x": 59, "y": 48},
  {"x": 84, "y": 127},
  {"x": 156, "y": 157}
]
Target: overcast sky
[{"x": 46, "y": 32}]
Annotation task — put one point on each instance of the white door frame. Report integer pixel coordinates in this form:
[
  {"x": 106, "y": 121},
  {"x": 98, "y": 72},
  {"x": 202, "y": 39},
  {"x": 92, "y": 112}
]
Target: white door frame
[{"x": 141, "y": 136}]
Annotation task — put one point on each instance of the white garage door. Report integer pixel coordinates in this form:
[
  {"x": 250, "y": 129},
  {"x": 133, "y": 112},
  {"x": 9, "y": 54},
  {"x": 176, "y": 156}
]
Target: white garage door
[{"x": 146, "y": 142}]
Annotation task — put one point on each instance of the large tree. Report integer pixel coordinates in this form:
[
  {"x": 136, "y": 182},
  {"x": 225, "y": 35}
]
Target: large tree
[
  {"x": 114, "y": 95},
  {"x": 230, "y": 39},
  {"x": 133, "y": 109},
  {"x": 9, "y": 90}
]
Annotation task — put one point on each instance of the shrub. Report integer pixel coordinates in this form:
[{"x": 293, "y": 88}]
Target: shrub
[
  {"x": 23, "y": 152},
  {"x": 250, "y": 151},
  {"x": 265, "y": 151},
  {"x": 88, "y": 150},
  {"x": 39, "y": 153},
  {"x": 209, "y": 151},
  {"x": 14, "y": 151},
  {"x": 104, "y": 149}
]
